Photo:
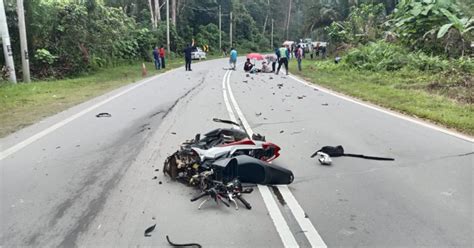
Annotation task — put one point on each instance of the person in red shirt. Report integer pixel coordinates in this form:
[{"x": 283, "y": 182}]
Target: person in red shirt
[{"x": 162, "y": 56}]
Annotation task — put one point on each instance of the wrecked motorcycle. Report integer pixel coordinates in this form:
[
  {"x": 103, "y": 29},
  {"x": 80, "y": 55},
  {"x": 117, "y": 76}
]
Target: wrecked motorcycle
[{"x": 223, "y": 159}]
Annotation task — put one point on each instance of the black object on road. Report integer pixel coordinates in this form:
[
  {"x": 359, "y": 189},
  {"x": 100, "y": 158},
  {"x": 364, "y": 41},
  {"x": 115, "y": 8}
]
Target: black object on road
[
  {"x": 182, "y": 245},
  {"x": 338, "y": 151},
  {"x": 149, "y": 230},
  {"x": 99, "y": 115}
]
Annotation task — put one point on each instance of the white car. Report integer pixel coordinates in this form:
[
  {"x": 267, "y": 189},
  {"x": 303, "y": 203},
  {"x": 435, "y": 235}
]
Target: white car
[{"x": 198, "y": 54}]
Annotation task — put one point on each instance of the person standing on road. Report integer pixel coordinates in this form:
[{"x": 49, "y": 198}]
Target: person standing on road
[
  {"x": 284, "y": 54},
  {"x": 162, "y": 56},
  {"x": 156, "y": 58},
  {"x": 187, "y": 55},
  {"x": 233, "y": 58},
  {"x": 299, "y": 56}
]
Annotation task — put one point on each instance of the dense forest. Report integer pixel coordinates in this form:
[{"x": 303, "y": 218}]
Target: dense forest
[{"x": 70, "y": 37}]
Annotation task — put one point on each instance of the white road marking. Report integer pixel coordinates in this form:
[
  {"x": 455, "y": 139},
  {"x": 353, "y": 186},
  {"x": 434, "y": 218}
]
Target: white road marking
[
  {"x": 310, "y": 232},
  {"x": 380, "y": 109},
  {"x": 278, "y": 220},
  {"x": 226, "y": 99},
  {"x": 313, "y": 236},
  {"x": 26, "y": 142}
]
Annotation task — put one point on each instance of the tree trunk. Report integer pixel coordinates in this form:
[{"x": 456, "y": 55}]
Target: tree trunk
[
  {"x": 266, "y": 17},
  {"x": 288, "y": 20},
  {"x": 157, "y": 12},
  {"x": 152, "y": 17},
  {"x": 173, "y": 12}
]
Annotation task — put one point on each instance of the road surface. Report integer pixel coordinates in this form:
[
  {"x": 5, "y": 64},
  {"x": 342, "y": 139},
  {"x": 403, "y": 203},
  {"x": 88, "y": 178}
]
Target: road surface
[{"x": 77, "y": 180}]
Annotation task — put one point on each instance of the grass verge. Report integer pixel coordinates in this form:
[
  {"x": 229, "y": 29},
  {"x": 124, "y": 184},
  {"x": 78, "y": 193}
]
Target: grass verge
[
  {"x": 24, "y": 104},
  {"x": 409, "y": 92}
]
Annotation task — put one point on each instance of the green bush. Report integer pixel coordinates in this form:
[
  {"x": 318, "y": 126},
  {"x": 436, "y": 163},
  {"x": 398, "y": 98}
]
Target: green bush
[{"x": 383, "y": 56}]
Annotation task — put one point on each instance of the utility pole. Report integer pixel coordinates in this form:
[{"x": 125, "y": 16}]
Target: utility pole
[
  {"x": 230, "y": 32},
  {"x": 7, "y": 48},
  {"x": 271, "y": 39},
  {"x": 168, "y": 25},
  {"x": 23, "y": 43},
  {"x": 220, "y": 29}
]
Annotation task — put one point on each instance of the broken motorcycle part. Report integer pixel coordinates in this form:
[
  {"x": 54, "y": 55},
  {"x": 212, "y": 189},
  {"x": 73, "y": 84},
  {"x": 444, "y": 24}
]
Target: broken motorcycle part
[
  {"x": 149, "y": 230},
  {"x": 99, "y": 115},
  {"x": 182, "y": 245},
  {"x": 338, "y": 151}
]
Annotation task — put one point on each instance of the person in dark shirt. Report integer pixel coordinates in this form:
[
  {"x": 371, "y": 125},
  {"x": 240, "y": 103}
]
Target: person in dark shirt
[
  {"x": 248, "y": 66},
  {"x": 187, "y": 55},
  {"x": 156, "y": 58}
]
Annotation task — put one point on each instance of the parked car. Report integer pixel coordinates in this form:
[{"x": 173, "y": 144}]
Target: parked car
[{"x": 198, "y": 53}]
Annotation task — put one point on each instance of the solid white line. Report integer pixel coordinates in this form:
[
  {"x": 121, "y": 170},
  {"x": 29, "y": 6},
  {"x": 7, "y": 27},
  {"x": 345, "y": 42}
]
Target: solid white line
[
  {"x": 310, "y": 232},
  {"x": 54, "y": 127},
  {"x": 278, "y": 220},
  {"x": 380, "y": 109},
  {"x": 313, "y": 236},
  {"x": 226, "y": 100}
]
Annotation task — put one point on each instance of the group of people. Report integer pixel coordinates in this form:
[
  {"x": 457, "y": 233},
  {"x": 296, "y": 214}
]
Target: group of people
[
  {"x": 159, "y": 57},
  {"x": 281, "y": 56}
]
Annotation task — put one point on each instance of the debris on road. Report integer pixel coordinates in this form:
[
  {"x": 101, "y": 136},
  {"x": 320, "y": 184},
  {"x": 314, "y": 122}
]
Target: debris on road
[
  {"x": 282, "y": 131},
  {"x": 157, "y": 169},
  {"x": 301, "y": 97},
  {"x": 99, "y": 115},
  {"x": 219, "y": 162},
  {"x": 245, "y": 81},
  {"x": 182, "y": 245},
  {"x": 279, "y": 86},
  {"x": 258, "y": 114},
  {"x": 338, "y": 151},
  {"x": 149, "y": 230},
  {"x": 154, "y": 178},
  {"x": 325, "y": 104},
  {"x": 173, "y": 133}
]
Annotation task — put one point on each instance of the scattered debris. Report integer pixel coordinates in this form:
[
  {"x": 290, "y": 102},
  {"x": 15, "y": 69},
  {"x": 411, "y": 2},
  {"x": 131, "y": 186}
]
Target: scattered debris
[
  {"x": 155, "y": 177},
  {"x": 258, "y": 114},
  {"x": 297, "y": 132},
  {"x": 157, "y": 169},
  {"x": 287, "y": 95},
  {"x": 182, "y": 245},
  {"x": 315, "y": 89},
  {"x": 78, "y": 145},
  {"x": 273, "y": 93},
  {"x": 99, "y": 115},
  {"x": 279, "y": 86},
  {"x": 245, "y": 81},
  {"x": 264, "y": 118},
  {"x": 220, "y": 179},
  {"x": 160, "y": 182},
  {"x": 173, "y": 133},
  {"x": 251, "y": 78},
  {"x": 301, "y": 97},
  {"x": 57, "y": 147},
  {"x": 247, "y": 75},
  {"x": 149, "y": 230},
  {"x": 270, "y": 78},
  {"x": 282, "y": 131},
  {"x": 325, "y": 104}
]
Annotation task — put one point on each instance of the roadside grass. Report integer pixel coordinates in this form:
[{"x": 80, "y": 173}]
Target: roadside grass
[
  {"x": 24, "y": 104},
  {"x": 405, "y": 91}
]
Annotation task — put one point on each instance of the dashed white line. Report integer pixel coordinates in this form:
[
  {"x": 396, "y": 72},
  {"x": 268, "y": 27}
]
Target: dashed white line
[
  {"x": 282, "y": 227},
  {"x": 401, "y": 116}
]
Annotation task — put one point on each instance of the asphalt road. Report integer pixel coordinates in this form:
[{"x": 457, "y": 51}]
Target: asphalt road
[{"x": 78, "y": 180}]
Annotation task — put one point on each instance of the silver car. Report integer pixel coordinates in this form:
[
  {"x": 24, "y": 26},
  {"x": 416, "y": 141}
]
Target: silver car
[{"x": 198, "y": 54}]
